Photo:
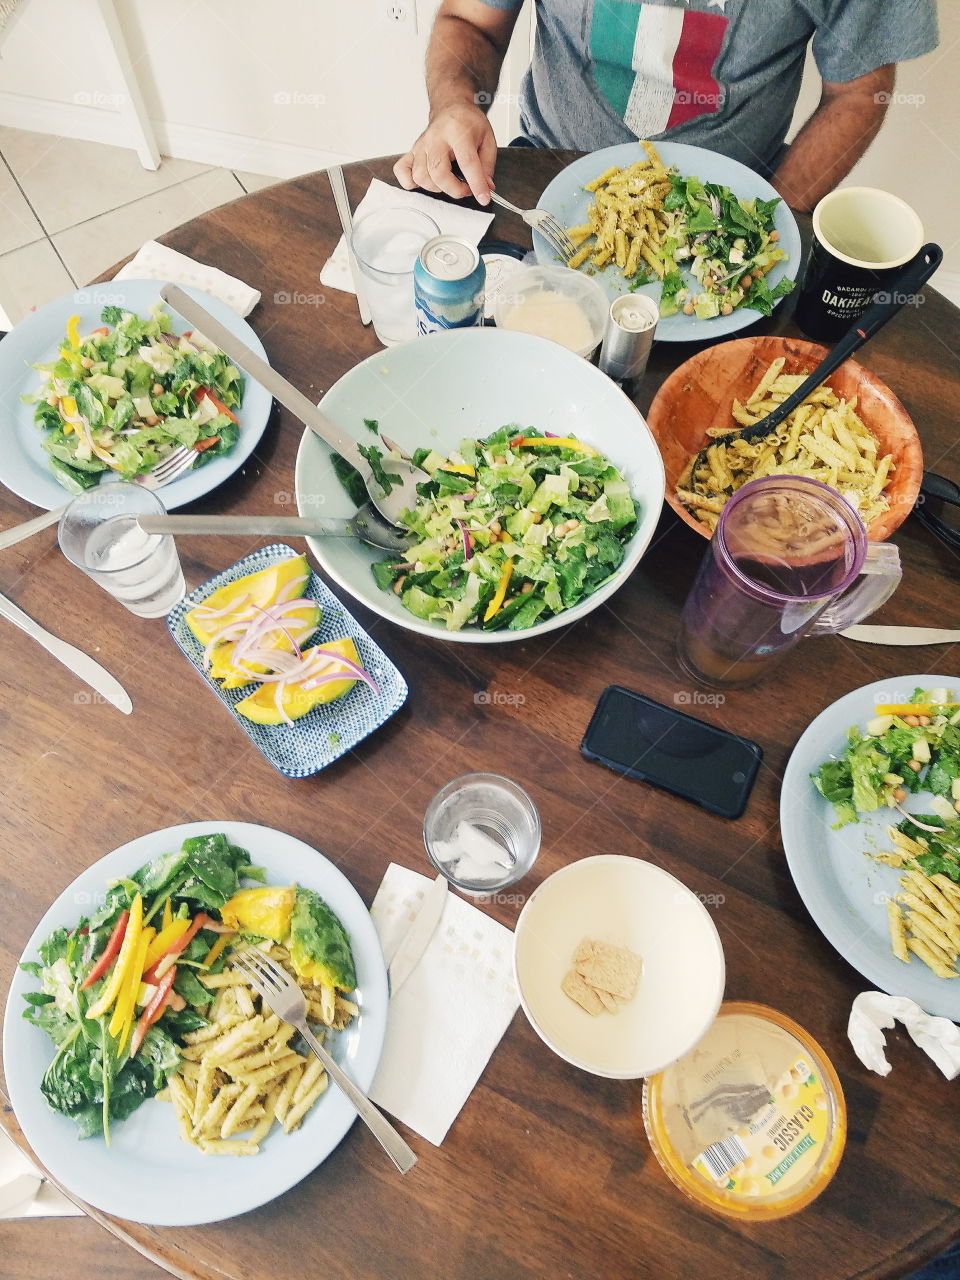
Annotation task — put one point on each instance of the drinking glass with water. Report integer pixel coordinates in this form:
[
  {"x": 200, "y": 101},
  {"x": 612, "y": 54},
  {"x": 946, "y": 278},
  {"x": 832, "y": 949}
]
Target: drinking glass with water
[{"x": 99, "y": 533}]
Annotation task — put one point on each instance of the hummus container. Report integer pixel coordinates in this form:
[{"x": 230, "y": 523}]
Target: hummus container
[{"x": 751, "y": 1123}]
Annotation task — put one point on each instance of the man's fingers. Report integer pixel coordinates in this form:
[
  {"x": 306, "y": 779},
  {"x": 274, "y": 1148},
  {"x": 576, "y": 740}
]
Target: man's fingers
[
  {"x": 421, "y": 173},
  {"x": 403, "y": 171},
  {"x": 488, "y": 157},
  {"x": 473, "y": 169},
  {"x": 438, "y": 167}
]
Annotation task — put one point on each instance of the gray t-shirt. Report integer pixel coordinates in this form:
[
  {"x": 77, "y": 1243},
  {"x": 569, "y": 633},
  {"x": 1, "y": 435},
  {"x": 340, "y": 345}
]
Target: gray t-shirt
[{"x": 723, "y": 74}]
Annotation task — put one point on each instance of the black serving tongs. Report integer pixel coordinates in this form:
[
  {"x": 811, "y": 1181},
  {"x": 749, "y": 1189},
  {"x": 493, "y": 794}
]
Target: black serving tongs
[
  {"x": 884, "y": 306},
  {"x": 942, "y": 490}
]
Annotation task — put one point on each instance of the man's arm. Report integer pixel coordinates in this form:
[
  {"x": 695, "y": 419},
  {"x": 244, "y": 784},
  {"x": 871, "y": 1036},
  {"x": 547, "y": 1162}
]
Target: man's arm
[
  {"x": 834, "y": 138},
  {"x": 464, "y": 57}
]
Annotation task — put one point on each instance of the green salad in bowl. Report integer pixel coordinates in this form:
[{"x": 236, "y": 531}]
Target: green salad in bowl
[{"x": 510, "y": 529}]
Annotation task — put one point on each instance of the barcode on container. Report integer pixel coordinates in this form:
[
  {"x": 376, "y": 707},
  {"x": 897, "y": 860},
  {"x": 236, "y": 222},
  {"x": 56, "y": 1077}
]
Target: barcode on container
[{"x": 720, "y": 1157}]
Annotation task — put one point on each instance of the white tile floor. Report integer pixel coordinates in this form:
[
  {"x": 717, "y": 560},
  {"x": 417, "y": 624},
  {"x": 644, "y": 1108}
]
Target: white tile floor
[{"x": 69, "y": 209}]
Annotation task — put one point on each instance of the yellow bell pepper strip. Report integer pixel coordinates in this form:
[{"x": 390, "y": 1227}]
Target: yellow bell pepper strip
[
  {"x": 73, "y": 332},
  {"x": 123, "y": 1014},
  {"x": 910, "y": 708},
  {"x": 499, "y": 595},
  {"x": 218, "y": 949},
  {"x": 459, "y": 469},
  {"x": 553, "y": 442},
  {"x": 162, "y": 942},
  {"x": 108, "y": 953},
  {"x": 153, "y": 1010},
  {"x": 125, "y": 959},
  {"x": 167, "y": 918}
]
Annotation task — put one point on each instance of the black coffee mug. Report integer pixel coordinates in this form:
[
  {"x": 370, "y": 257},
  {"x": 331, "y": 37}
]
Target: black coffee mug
[{"x": 861, "y": 238}]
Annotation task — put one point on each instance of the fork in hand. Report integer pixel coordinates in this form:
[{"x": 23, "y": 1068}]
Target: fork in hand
[
  {"x": 283, "y": 997},
  {"x": 549, "y": 227}
]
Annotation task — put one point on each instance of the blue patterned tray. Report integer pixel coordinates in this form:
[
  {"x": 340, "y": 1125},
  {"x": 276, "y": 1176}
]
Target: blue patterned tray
[{"x": 326, "y": 732}]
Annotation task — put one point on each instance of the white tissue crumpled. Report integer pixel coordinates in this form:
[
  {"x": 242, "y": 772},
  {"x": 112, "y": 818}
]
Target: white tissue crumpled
[{"x": 873, "y": 1013}]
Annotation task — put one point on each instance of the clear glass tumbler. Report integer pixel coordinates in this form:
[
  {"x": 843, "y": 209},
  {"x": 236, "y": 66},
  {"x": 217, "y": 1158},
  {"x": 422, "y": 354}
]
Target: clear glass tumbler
[
  {"x": 99, "y": 534},
  {"x": 387, "y": 243},
  {"x": 482, "y": 832}
]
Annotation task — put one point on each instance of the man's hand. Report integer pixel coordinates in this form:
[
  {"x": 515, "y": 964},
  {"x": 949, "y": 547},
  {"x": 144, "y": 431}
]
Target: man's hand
[
  {"x": 459, "y": 133},
  {"x": 466, "y": 50}
]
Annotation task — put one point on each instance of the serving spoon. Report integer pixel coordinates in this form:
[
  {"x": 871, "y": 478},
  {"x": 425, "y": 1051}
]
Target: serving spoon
[
  {"x": 368, "y": 525},
  {"x": 401, "y": 493},
  {"x": 885, "y": 305}
]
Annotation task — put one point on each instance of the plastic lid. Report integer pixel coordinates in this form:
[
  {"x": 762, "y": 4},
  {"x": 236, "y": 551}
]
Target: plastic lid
[{"x": 752, "y": 1122}]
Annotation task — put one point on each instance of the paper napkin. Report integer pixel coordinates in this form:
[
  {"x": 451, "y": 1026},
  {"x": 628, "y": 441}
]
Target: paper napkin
[
  {"x": 450, "y": 1014},
  {"x": 873, "y": 1013},
  {"x": 452, "y": 219},
  {"x": 156, "y": 262},
  {"x": 24, "y": 1192}
]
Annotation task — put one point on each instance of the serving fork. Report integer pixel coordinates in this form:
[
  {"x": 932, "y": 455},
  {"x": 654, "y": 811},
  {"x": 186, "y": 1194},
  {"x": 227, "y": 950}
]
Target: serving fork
[
  {"x": 543, "y": 221},
  {"x": 284, "y": 998}
]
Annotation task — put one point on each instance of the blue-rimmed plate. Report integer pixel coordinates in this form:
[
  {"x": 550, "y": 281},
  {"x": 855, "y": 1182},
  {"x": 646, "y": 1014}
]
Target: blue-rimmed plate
[
  {"x": 844, "y": 889},
  {"x": 24, "y": 465},
  {"x": 566, "y": 199},
  {"x": 148, "y": 1174},
  {"x": 326, "y": 732}
]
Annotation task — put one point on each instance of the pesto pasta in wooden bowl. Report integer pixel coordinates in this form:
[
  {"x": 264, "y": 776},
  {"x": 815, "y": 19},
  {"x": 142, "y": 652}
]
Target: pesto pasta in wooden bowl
[{"x": 852, "y": 433}]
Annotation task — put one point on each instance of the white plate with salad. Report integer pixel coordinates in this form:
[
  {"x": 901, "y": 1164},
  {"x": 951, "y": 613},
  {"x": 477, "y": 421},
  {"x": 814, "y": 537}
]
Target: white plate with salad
[
  {"x": 545, "y": 522},
  {"x": 114, "y": 352},
  {"x": 566, "y": 199},
  {"x": 147, "y": 1173},
  {"x": 832, "y": 840}
]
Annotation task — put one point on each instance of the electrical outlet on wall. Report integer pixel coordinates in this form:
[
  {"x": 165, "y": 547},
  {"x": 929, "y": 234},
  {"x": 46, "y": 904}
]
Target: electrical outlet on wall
[{"x": 401, "y": 14}]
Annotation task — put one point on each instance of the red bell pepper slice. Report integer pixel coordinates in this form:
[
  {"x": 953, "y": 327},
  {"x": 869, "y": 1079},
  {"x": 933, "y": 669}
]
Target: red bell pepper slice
[
  {"x": 153, "y": 1010},
  {"x": 204, "y": 393},
  {"x": 175, "y": 948},
  {"x": 109, "y": 952}
]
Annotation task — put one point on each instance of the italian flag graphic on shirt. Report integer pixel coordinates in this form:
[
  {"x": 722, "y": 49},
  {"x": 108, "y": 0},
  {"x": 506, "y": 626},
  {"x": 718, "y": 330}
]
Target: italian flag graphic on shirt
[{"x": 654, "y": 63}]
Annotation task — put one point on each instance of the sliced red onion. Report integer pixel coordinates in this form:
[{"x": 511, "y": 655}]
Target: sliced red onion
[
  {"x": 465, "y": 538},
  {"x": 281, "y": 628},
  {"x": 286, "y": 592},
  {"x": 209, "y": 614},
  {"x": 351, "y": 667},
  {"x": 278, "y": 703}
]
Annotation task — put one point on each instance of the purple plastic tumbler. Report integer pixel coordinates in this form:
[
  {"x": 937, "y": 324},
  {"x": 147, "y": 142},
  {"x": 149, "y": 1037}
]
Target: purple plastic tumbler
[{"x": 784, "y": 562}]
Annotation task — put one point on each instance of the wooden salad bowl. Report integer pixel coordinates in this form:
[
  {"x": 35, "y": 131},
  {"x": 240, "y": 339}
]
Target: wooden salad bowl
[{"x": 698, "y": 395}]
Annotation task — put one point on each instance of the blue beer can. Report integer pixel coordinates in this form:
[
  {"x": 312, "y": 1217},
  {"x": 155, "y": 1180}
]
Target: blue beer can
[{"x": 448, "y": 280}]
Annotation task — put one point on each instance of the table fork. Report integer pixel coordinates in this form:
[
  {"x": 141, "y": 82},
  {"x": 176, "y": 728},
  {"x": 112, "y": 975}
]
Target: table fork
[
  {"x": 168, "y": 469},
  {"x": 549, "y": 227},
  {"x": 283, "y": 997}
]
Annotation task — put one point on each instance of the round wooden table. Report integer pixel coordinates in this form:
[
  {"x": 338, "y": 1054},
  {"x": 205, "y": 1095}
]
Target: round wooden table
[{"x": 547, "y": 1171}]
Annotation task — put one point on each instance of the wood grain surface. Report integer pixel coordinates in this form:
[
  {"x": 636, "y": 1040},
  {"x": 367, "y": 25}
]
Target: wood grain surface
[{"x": 547, "y": 1172}]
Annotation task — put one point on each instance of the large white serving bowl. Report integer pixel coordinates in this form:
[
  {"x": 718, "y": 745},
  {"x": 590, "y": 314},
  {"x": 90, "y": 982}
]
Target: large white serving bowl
[
  {"x": 626, "y": 902},
  {"x": 434, "y": 392}
]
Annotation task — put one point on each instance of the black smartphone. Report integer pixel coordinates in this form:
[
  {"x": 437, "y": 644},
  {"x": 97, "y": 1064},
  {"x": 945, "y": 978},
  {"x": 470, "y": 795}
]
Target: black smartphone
[{"x": 643, "y": 739}]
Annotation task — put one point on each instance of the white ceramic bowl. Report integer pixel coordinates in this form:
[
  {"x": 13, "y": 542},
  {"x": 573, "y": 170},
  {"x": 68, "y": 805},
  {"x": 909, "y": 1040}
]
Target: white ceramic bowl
[
  {"x": 631, "y": 903},
  {"x": 434, "y": 392}
]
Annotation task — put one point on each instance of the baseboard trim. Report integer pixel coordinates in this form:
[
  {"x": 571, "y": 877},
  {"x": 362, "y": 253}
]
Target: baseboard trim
[{"x": 182, "y": 142}]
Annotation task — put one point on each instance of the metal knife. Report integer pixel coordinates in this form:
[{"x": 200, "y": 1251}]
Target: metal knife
[
  {"x": 340, "y": 199},
  {"x": 407, "y": 956},
  {"x": 17, "y": 534},
  {"x": 89, "y": 671},
  {"x": 902, "y": 635}
]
